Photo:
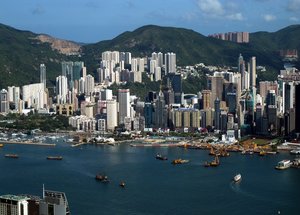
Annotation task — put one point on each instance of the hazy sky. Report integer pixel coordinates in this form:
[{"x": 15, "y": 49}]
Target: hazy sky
[{"x": 96, "y": 20}]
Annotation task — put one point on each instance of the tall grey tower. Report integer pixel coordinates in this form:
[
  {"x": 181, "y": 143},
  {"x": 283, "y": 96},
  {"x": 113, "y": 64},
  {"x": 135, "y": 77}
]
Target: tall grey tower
[{"x": 43, "y": 74}]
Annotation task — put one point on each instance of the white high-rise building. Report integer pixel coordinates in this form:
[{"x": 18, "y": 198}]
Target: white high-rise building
[
  {"x": 127, "y": 58},
  {"x": 157, "y": 74},
  {"x": 124, "y": 104},
  {"x": 34, "y": 95},
  {"x": 141, "y": 64},
  {"x": 14, "y": 94},
  {"x": 62, "y": 89},
  {"x": 153, "y": 65},
  {"x": 170, "y": 64},
  {"x": 89, "y": 85},
  {"x": 252, "y": 71},
  {"x": 13, "y": 205},
  {"x": 134, "y": 64},
  {"x": 43, "y": 74},
  {"x": 160, "y": 59},
  {"x": 111, "y": 110},
  {"x": 4, "y": 104}
]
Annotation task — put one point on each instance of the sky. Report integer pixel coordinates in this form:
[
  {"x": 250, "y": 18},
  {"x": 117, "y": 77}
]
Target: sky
[{"x": 96, "y": 20}]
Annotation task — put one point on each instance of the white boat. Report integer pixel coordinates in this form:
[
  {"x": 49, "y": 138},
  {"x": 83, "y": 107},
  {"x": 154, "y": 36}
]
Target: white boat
[
  {"x": 295, "y": 152},
  {"x": 284, "y": 164},
  {"x": 237, "y": 178}
]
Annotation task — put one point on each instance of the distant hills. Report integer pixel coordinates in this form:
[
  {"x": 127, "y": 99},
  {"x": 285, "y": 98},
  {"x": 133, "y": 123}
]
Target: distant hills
[{"x": 21, "y": 52}]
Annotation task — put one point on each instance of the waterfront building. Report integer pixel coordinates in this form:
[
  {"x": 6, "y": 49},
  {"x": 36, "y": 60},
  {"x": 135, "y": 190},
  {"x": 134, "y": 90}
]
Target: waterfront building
[
  {"x": 124, "y": 104},
  {"x": 148, "y": 114},
  {"x": 160, "y": 114},
  {"x": 43, "y": 75},
  {"x": 111, "y": 114},
  {"x": 13, "y": 205}
]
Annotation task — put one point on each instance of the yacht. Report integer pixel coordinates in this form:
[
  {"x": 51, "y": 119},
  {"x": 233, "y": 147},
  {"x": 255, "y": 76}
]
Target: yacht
[
  {"x": 295, "y": 152},
  {"x": 284, "y": 164}
]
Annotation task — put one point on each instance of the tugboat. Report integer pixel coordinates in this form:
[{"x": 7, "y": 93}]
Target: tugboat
[
  {"x": 237, "y": 178},
  {"x": 179, "y": 161},
  {"x": 54, "y": 158},
  {"x": 102, "y": 178},
  {"x": 11, "y": 156},
  {"x": 160, "y": 157},
  {"x": 122, "y": 184}
]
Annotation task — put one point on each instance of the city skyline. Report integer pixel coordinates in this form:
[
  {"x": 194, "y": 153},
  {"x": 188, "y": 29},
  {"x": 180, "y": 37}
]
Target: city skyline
[{"x": 92, "y": 21}]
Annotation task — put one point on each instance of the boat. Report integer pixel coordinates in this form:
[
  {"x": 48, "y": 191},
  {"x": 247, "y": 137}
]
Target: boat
[
  {"x": 262, "y": 153},
  {"x": 215, "y": 162},
  {"x": 212, "y": 151},
  {"x": 179, "y": 161},
  {"x": 1, "y": 145},
  {"x": 11, "y": 156},
  {"x": 54, "y": 158},
  {"x": 122, "y": 184},
  {"x": 284, "y": 164},
  {"x": 237, "y": 178},
  {"x": 160, "y": 157},
  {"x": 102, "y": 178},
  {"x": 295, "y": 152},
  {"x": 206, "y": 164}
]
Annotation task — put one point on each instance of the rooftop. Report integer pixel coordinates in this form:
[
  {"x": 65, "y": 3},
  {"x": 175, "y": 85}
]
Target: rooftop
[{"x": 13, "y": 197}]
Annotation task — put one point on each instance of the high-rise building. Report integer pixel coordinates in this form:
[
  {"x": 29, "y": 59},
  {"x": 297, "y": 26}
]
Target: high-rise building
[
  {"x": 216, "y": 87},
  {"x": 217, "y": 114},
  {"x": 170, "y": 62},
  {"x": 34, "y": 96},
  {"x": 13, "y": 205},
  {"x": 111, "y": 112},
  {"x": 89, "y": 85},
  {"x": 4, "y": 104},
  {"x": 206, "y": 97},
  {"x": 78, "y": 70},
  {"x": 297, "y": 108},
  {"x": 54, "y": 203},
  {"x": 157, "y": 73},
  {"x": 43, "y": 74},
  {"x": 124, "y": 104},
  {"x": 61, "y": 89},
  {"x": 288, "y": 95},
  {"x": 252, "y": 71},
  {"x": 67, "y": 71}
]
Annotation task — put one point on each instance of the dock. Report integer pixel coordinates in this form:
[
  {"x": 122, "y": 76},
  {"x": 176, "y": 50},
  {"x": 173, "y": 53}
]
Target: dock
[{"x": 28, "y": 143}]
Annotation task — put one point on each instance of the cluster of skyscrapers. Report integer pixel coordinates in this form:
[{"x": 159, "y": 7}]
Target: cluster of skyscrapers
[{"x": 237, "y": 37}]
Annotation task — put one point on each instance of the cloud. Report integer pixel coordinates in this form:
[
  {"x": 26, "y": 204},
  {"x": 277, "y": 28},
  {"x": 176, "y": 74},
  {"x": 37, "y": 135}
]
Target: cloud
[
  {"x": 235, "y": 16},
  {"x": 211, "y": 7},
  {"x": 38, "y": 10},
  {"x": 294, "y": 19},
  {"x": 269, "y": 17},
  {"x": 293, "y": 5}
]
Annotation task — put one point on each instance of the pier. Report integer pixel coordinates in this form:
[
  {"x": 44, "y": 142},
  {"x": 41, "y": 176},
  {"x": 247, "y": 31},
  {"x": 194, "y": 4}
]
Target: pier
[{"x": 28, "y": 143}]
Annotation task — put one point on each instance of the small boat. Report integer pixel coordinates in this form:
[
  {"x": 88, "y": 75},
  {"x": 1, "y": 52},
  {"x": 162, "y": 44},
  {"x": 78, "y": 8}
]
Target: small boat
[
  {"x": 122, "y": 184},
  {"x": 11, "y": 156},
  {"x": 206, "y": 164},
  {"x": 284, "y": 164},
  {"x": 180, "y": 161},
  {"x": 102, "y": 178},
  {"x": 160, "y": 157},
  {"x": 54, "y": 158},
  {"x": 1, "y": 145},
  {"x": 215, "y": 162},
  {"x": 295, "y": 152},
  {"x": 237, "y": 178},
  {"x": 262, "y": 153}
]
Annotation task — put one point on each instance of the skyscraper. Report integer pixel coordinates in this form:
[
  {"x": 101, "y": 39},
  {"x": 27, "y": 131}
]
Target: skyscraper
[
  {"x": 170, "y": 62},
  {"x": 297, "y": 108},
  {"x": 124, "y": 104},
  {"x": 61, "y": 89},
  {"x": 89, "y": 85},
  {"x": 111, "y": 114},
  {"x": 217, "y": 114},
  {"x": 67, "y": 71},
  {"x": 4, "y": 101},
  {"x": 43, "y": 74},
  {"x": 252, "y": 70}
]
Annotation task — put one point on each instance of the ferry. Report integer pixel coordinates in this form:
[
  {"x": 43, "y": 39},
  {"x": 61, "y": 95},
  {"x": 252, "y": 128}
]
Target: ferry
[
  {"x": 295, "y": 152},
  {"x": 179, "y": 161},
  {"x": 160, "y": 157},
  {"x": 284, "y": 164},
  {"x": 54, "y": 158},
  {"x": 237, "y": 178},
  {"x": 11, "y": 156}
]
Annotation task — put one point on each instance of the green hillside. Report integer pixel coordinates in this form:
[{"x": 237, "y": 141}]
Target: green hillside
[{"x": 20, "y": 57}]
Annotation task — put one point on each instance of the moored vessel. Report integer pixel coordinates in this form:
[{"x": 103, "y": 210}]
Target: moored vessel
[
  {"x": 54, "y": 158},
  {"x": 179, "y": 161},
  {"x": 295, "y": 152},
  {"x": 11, "y": 156},
  {"x": 102, "y": 178},
  {"x": 284, "y": 164}
]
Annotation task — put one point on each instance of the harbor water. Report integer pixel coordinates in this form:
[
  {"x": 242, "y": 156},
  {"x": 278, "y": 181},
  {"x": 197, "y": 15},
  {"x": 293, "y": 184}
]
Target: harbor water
[{"x": 152, "y": 186}]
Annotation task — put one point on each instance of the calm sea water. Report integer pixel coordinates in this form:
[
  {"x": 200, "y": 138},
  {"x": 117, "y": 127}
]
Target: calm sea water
[{"x": 152, "y": 186}]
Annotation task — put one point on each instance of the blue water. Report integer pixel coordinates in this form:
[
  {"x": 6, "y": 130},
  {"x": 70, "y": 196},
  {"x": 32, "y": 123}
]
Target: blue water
[{"x": 152, "y": 186}]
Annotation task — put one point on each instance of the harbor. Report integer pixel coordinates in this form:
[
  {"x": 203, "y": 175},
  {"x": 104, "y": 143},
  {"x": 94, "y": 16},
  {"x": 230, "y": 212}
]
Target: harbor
[{"x": 136, "y": 167}]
